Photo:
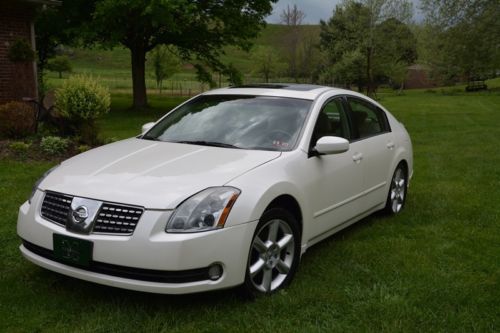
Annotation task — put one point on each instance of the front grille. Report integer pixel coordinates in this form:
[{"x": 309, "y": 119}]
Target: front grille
[
  {"x": 117, "y": 219},
  {"x": 111, "y": 219},
  {"x": 56, "y": 207}
]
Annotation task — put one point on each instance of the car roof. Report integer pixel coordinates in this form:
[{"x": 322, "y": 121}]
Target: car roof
[{"x": 292, "y": 90}]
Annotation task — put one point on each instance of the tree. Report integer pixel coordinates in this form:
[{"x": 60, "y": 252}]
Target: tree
[
  {"x": 59, "y": 64},
  {"x": 343, "y": 39},
  {"x": 396, "y": 50},
  {"x": 292, "y": 18},
  {"x": 266, "y": 62},
  {"x": 350, "y": 69},
  {"x": 234, "y": 76},
  {"x": 198, "y": 29},
  {"x": 462, "y": 38},
  {"x": 356, "y": 30},
  {"x": 165, "y": 63},
  {"x": 308, "y": 55},
  {"x": 56, "y": 25}
]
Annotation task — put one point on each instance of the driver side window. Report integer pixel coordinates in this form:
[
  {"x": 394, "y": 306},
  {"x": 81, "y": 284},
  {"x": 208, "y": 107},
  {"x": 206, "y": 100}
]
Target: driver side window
[{"x": 332, "y": 121}]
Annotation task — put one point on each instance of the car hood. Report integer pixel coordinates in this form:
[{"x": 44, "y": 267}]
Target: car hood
[{"x": 152, "y": 174}]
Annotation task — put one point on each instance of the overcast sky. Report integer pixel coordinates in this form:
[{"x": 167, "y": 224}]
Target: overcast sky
[{"x": 316, "y": 10}]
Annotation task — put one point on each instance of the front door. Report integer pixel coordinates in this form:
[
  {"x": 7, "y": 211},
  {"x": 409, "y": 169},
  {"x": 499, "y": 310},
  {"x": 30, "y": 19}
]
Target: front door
[{"x": 338, "y": 177}]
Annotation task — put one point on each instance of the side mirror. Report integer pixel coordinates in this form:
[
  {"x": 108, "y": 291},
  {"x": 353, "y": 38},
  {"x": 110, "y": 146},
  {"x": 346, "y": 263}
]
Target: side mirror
[
  {"x": 146, "y": 127},
  {"x": 331, "y": 145}
]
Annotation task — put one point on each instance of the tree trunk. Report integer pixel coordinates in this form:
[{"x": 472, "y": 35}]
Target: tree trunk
[
  {"x": 401, "y": 87},
  {"x": 369, "y": 73},
  {"x": 138, "y": 55}
]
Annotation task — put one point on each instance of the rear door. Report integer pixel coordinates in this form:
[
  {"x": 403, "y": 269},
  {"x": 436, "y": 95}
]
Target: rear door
[{"x": 373, "y": 145}]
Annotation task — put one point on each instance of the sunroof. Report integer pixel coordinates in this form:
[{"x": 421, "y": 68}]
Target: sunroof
[{"x": 291, "y": 86}]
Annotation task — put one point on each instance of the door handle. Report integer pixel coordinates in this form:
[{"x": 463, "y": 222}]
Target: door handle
[
  {"x": 357, "y": 157},
  {"x": 390, "y": 145}
]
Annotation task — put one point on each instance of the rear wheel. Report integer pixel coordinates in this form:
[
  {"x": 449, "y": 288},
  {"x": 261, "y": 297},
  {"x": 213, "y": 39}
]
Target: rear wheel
[
  {"x": 274, "y": 253},
  {"x": 397, "y": 191}
]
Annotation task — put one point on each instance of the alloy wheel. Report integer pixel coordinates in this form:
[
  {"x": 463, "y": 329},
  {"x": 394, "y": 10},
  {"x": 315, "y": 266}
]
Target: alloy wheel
[
  {"x": 398, "y": 190},
  {"x": 271, "y": 255}
]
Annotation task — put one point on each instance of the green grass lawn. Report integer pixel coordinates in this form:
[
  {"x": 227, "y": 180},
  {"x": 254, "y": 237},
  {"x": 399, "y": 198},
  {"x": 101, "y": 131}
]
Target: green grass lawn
[
  {"x": 122, "y": 122},
  {"x": 433, "y": 268}
]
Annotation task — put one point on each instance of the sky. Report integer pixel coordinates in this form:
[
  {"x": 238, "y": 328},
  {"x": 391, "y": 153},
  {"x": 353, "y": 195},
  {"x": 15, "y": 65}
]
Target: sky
[{"x": 316, "y": 10}]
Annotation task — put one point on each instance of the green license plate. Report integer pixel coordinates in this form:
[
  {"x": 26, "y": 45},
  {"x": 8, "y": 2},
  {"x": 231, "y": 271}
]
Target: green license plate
[{"x": 72, "y": 250}]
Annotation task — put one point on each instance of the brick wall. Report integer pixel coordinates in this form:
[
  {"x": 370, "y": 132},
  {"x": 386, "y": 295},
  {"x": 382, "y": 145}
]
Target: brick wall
[{"x": 17, "y": 80}]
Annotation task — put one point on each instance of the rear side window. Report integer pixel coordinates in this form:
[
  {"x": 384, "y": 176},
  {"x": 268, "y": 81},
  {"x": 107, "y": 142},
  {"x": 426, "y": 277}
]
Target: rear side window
[{"x": 367, "y": 119}]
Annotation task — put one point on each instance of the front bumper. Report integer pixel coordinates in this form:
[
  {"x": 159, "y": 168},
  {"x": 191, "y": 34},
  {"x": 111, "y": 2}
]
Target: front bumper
[{"x": 148, "y": 250}]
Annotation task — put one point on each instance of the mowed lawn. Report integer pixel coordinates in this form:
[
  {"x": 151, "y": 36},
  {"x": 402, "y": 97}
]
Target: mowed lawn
[{"x": 433, "y": 268}]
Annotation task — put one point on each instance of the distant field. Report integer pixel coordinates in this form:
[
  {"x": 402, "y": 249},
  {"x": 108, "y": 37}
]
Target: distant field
[
  {"x": 112, "y": 67},
  {"x": 433, "y": 268}
]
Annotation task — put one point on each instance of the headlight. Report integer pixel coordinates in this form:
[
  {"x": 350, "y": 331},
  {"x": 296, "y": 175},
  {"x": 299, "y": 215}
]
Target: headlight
[
  {"x": 39, "y": 181},
  {"x": 206, "y": 210}
]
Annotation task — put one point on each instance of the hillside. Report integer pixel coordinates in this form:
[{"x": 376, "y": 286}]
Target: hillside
[{"x": 113, "y": 66}]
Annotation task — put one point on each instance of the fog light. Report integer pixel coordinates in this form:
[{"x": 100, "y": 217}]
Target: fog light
[{"x": 215, "y": 272}]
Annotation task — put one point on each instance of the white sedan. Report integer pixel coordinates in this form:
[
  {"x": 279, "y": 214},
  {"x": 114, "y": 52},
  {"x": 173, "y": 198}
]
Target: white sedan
[{"x": 230, "y": 188}]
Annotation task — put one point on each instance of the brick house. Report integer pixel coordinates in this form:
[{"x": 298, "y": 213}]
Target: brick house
[
  {"x": 418, "y": 77},
  {"x": 18, "y": 79}
]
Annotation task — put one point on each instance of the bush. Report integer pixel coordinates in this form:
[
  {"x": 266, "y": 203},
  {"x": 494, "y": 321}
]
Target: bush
[
  {"x": 21, "y": 51},
  {"x": 20, "y": 148},
  {"x": 54, "y": 145},
  {"x": 83, "y": 148},
  {"x": 17, "y": 120},
  {"x": 81, "y": 100},
  {"x": 109, "y": 140}
]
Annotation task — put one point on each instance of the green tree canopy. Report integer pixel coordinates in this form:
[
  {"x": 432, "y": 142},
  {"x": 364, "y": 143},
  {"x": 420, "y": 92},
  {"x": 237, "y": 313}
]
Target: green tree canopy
[
  {"x": 61, "y": 24},
  {"x": 362, "y": 38},
  {"x": 165, "y": 63},
  {"x": 60, "y": 64},
  {"x": 198, "y": 29},
  {"x": 344, "y": 40},
  {"x": 267, "y": 63},
  {"x": 463, "y": 38},
  {"x": 396, "y": 50}
]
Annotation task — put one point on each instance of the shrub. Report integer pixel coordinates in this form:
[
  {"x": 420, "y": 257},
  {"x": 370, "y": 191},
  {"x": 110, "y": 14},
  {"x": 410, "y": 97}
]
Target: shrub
[
  {"x": 21, "y": 51},
  {"x": 17, "y": 120},
  {"x": 83, "y": 148},
  {"x": 54, "y": 145},
  {"x": 81, "y": 100},
  {"x": 110, "y": 140},
  {"x": 20, "y": 148}
]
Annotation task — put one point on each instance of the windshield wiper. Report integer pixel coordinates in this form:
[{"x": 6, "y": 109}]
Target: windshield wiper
[{"x": 209, "y": 143}]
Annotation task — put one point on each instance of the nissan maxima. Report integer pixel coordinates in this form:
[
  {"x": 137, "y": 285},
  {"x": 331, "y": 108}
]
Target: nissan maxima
[{"x": 230, "y": 188}]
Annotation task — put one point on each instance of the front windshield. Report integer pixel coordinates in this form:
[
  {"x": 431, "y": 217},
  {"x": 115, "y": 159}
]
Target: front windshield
[{"x": 248, "y": 122}]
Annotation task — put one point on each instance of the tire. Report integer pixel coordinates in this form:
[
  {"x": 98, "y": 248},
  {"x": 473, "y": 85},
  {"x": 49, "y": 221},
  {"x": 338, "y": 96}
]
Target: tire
[
  {"x": 398, "y": 190},
  {"x": 274, "y": 253}
]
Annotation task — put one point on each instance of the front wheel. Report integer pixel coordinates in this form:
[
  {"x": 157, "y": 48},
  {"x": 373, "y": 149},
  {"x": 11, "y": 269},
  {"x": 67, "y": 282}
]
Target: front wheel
[
  {"x": 397, "y": 192},
  {"x": 274, "y": 253}
]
